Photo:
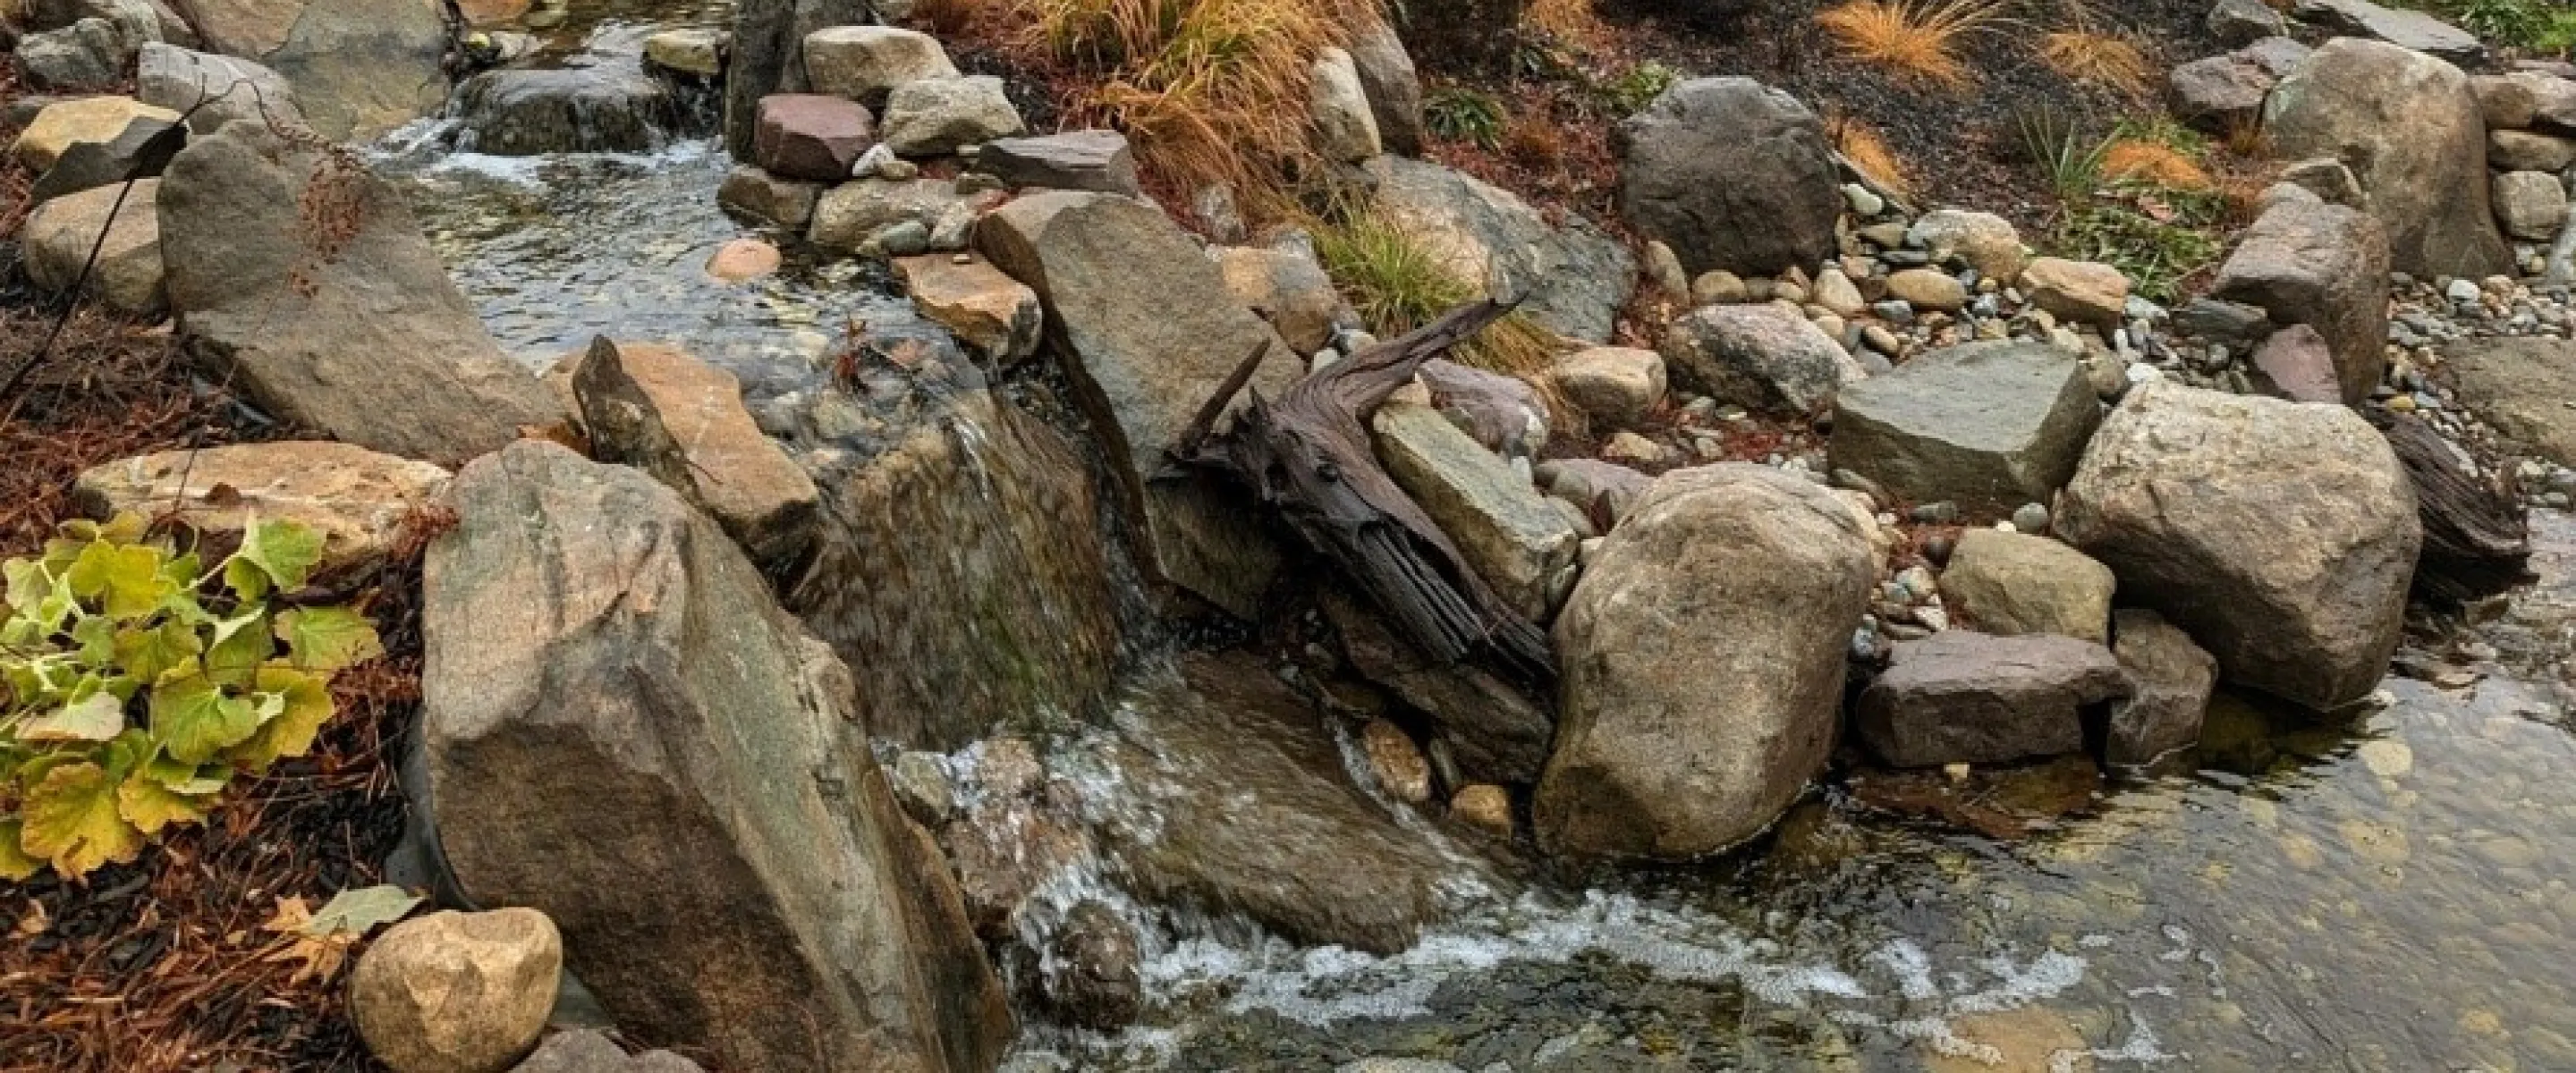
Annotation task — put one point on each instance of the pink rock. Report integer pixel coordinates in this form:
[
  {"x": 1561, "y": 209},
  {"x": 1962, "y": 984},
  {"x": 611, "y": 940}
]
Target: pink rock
[{"x": 810, "y": 136}]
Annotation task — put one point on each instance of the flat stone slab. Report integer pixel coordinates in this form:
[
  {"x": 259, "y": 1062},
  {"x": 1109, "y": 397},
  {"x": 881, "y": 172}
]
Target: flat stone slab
[
  {"x": 1989, "y": 426},
  {"x": 1962, "y": 697},
  {"x": 356, "y": 499},
  {"x": 1074, "y": 160},
  {"x": 1502, "y": 525},
  {"x": 2522, "y": 387}
]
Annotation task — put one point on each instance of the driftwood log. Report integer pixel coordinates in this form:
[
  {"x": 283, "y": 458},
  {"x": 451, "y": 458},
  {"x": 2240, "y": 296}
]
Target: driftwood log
[
  {"x": 2477, "y": 541},
  {"x": 1307, "y": 455}
]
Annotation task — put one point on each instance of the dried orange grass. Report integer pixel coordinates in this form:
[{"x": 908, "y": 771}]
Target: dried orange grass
[
  {"x": 1920, "y": 38},
  {"x": 2136, "y": 161},
  {"x": 2099, "y": 58},
  {"x": 1571, "y": 21},
  {"x": 1861, "y": 144}
]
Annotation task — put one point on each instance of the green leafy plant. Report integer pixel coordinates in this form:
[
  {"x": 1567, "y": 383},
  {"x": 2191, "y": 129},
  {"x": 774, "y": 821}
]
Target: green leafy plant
[
  {"x": 140, "y": 682},
  {"x": 2532, "y": 25},
  {"x": 1635, "y": 87},
  {"x": 2156, "y": 242},
  {"x": 2071, "y": 162},
  {"x": 1465, "y": 115}
]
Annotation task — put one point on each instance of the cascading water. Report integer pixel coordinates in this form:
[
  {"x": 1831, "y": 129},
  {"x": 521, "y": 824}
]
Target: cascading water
[{"x": 2391, "y": 894}]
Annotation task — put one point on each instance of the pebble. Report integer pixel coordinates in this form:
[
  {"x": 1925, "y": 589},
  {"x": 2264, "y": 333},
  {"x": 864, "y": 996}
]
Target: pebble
[
  {"x": 1862, "y": 201},
  {"x": 2461, "y": 291},
  {"x": 2031, "y": 518}
]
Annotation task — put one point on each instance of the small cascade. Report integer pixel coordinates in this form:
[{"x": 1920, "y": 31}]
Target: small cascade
[{"x": 594, "y": 95}]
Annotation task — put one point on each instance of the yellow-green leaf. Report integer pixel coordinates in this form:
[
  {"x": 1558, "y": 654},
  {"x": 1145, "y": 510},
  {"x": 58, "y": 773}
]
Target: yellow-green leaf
[
  {"x": 71, "y": 820},
  {"x": 97, "y": 717},
  {"x": 304, "y": 700},
  {"x": 27, "y": 584},
  {"x": 242, "y": 643},
  {"x": 357, "y": 912},
  {"x": 328, "y": 638},
  {"x": 146, "y": 653},
  {"x": 151, "y": 806},
  {"x": 15, "y": 864},
  {"x": 125, "y": 579},
  {"x": 96, "y": 637},
  {"x": 194, "y": 719},
  {"x": 284, "y": 550},
  {"x": 248, "y": 582},
  {"x": 189, "y": 779}
]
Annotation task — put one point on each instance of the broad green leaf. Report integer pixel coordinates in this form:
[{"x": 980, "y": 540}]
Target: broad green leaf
[
  {"x": 189, "y": 779},
  {"x": 194, "y": 719},
  {"x": 71, "y": 820},
  {"x": 328, "y": 638},
  {"x": 15, "y": 864},
  {"x": 145, "y": 654},
  {"x": 304, "y": 706},
  {"x": 242, "y": 643},
  {"x": 248, "y": 582},
  {"x": 97, "y": 640},
  {"x": 127, "y": 527},
  {"x": 150, "y": 806},
  {"x": 284, "y": 550},
  {"x": 125, "y": 580},
  {"x": 97, "y": 717},
  {"x": 360, "y": 911},
  {"x": 27, "y": 584}
]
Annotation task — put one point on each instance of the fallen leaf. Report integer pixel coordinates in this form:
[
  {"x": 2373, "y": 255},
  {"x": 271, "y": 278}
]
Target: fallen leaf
[{"x": 360, "y": 911}]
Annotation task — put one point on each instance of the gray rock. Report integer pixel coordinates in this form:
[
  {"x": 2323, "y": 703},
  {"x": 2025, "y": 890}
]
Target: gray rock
[
  {"x": 2519, "y": 386},
  {"x": 690, "y": 52},
  {"x": 371, "y": 345},
  {"x": 1735, "y": 581},
  {"x": 682, "y": 420},
  {"x": 1731, "y": 174},
  {"x": 176, "y": 78},
  {"x": 865, "y": 63},
  {"x": 2324, "y": 266},
  {"x": 2331, "y": 181},
  {"x": 2170, "y": 680},
  {"x": 1988, "y": 425},
  {"x": 2411, "y": 30},
  {"x": 1604, "y": 491},
  {"x": 1394, "y": 90},
  {"x": 934, "y": 116},
  {"x": 788, "y": 203},
  {"x": 1763, "y": 357},
  {"x": 87, "y": 55},
  {"x": 1147, "y": 331},
  {"x": 1499, "y": 522},
  {"x": 359, "y": 68},
  {"x": 2012, "y": 584},
  {"x": 1986, "y": 241},
  {"x": 2416, "y": 139},
  {"x": 2206, "y": 506},
  {"x": 1616, "y": 386},
  {"x": 605, "y": 108},
  {"x": 595, "y": 639},
  {"x": 61, "y": 234},
  {"x": 2219, "y": 94},
  {"x": 1961, "y": 697},
  {"x": 1075, "y": 160},
  {"x": 584, "y": 1050},
  {"x": 1572, "y": 279},
  {"x": 2518, "y": 150},
  {"x": 2221, "y": 321},
  {"x": 2240, "y": 22},
  {"x": 2532, "y": 205},
  {"x": 1496, "y": 733},
  {"x": 1285, "y": 286},
  {"x": 846, "y": 216},
  {"x": 1345, "y": 127}
]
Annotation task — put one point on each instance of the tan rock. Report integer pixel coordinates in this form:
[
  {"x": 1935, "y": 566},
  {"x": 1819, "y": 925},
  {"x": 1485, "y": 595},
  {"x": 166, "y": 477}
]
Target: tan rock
[
  {"x": 128, "y": 276},
  {"x": 988, "y": 310},
  {"x": 1398, "y": 763},
  {"x": 1287, "y": 288},
  {"x": 1485, "y": 807},
  {"x": 2031, "y": 1039},
  {"x": 683, "y": 421},
  {"x": 457, "y": 992},
  {"x": 1927, "y": 288},
  {"x": 2077, "y": 290},
  {"x": 355, "y": 498},
  {"x": 2011, "y": 583},
  {"x": 1615, "y": 385},
  {"x": 89, "y": 119},
  {"x": 742, "y": 260}
]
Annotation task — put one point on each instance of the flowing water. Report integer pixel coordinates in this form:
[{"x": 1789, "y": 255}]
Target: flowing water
[{"x": 2388, "y": 894}]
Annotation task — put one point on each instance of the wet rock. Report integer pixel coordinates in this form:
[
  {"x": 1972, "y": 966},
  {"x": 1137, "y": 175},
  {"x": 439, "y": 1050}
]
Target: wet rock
[
  {"x": 743, "y": 260},
  {"x": 1501, "y": 525},
  {"x": 60, "y": 235},
  {"x": 1615, "y": 385},
  {"x": 1345, "y": 128},
  {"x": 1258, "y": 816},
  {"x": 942, "y": 653},
  {"x": 2324, "y": 266},
  {"x": 64, "y": 124},
  {"x": 360, "y": 68},
  {"x": 696, "y": 53},
  {"x": 848, "y": 215},
  {"x": 607, "y": 108},
  {"x": 788, "y": 203},
  {"x": 1394, "y": 90},
  {"x": 1285, "y": 286},
  {"x": 933, "y": 116},
  {"x": 1005, "y": 850},
  {"x": 2077, "y": 290},
  {"x": 2414, "y": 31},
  {"x": 1986, "y": 241},
  {"x": 682, "y": 420},
  {"x": 2208, "y": 507},
  {"x": 1498, "y": 734},
  {"x": 811, "y": 136},
  {"x": 865, "y": 63},
  {"x": 1093, "y": 974},
  {"x": 2169, "y": 679},
  {"x": 2010, "y": 584},
  {"x": 1572, "y": 278},
  {"x": 2531, "y": 205},
  {"x": 989, "y": 311},
  {"x": 769, "y": 55},
  {"x": 457, "y": 992},
  {"x": 2519, "y": 386},
  {"x": 1735, "y": 581},
  {"x": 2031, "y": 1039},
  {"x": 372, "y": 345},
  {"x": 2414, "y": 135},
  {"x": 1763, "y": 357},
  {"x": 1962, "y": 697},
  {"x": 1147, "y": 331},
  {"x": 594, "y": 638},
  {"x": 1989, "y": 426},
  {"x": 355, "y": 499},
  {"x": 1731, "y": 174},
  {"x": 1396, "y": 761},
  {"x": 586, "y": 1051},
  {"x": 1484, "y": 807},
  {"x": 1074, "y": 160}
]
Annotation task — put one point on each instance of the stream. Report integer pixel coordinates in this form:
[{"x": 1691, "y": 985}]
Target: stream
[{"x": 2389, "y": 894}]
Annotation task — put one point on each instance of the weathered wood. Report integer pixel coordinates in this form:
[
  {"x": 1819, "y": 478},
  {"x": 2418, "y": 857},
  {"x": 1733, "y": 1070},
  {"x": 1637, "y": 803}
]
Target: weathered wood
[
  {"x": 1308, "y": 456},
  {"x": 2477, "y": 541}
]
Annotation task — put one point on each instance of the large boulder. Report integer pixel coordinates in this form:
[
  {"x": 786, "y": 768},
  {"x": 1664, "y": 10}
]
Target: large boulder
[
  {"x": 600, "y": 108},
  {"x": 1731, "y": 174},
  {"x": 1146, "y": 330},
  {"x": 621, "y": 729},
  {"x": 62, "y": 233},
  {"x": 1703, "y": 656},
  {"x": 1394, "y": 89},
  {"x": 2520, "y": 386},
  {"x": 769, "y": 56},
  {"x": 2280, "y": 535},
  {"x": 2325, "y": 266},
  {"x": 2013, "y": 583},
  {"x": 360, "y": 68},
  {"x": 1763, "y": 357},
  {"x": 1989, "y": 426},
  {"x": 356, "y": 500},
  {"x": 301, "y": 279},
  {"x": 457, "y": 992},
  {"x": 1962, "y": 697},
  {"x": 682, "y": 420},
  {"x": 1572, "y": 278},
  {"x": 66, "y": 123},
  {"x": 2414, "y": 135},
  {"x": 1503, "y": 527}
]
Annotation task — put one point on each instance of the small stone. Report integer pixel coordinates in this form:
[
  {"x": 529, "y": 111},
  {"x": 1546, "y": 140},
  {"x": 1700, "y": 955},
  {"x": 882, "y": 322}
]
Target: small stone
[
  {"x": 1630, "y": 448},
  {"x": 457, "y": 992},
  {"x": 1862, "y": 201},
  {"x": 1719, "y": 286},
  {"x": 1927, "y": 288},
  {"x": 936, "y": 116},
  {"x": 2077, "y": 290},
  {"x": 2031, "y": 518},
  {"x": 1615, "y": 385},
  {"x": 1396, "y": 761},
  {"x": 1665, "y": 268},
  {"x": 743, "y": 259},
  {"x": 690, "y": 51},
  {"x": 1484, "y": 807},
  {"x": 1835, "y": 291}
]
